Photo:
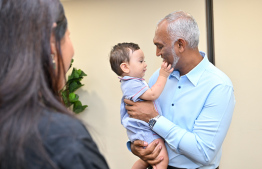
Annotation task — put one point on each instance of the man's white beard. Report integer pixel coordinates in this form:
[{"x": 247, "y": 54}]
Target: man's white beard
[{"x": 176, "y": 58}]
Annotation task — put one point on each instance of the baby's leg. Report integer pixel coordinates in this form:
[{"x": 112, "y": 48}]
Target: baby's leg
[
  {"x": 163, "y": 153},
  {"x": 140, "y": 164}
]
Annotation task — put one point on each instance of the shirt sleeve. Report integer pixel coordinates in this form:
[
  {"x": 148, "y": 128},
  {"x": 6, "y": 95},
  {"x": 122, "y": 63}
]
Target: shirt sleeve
[
  {"x": 134, "y": 88},
  {"x": 210, "y": 128}
]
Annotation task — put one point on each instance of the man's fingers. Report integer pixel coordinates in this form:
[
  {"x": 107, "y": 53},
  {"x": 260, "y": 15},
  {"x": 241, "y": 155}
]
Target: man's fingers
[
  {"x": 129, "y": 105},
  {"x": 155, "y": 153},
  {"x": 149, "y": 154},
  {"x": 140, "y": 143},
  {"x": 129, "y": 102},
  {"x": 151, "y": 151},
  {"x": 155, "y": 161},
  {"x": 152, "y": 146}
]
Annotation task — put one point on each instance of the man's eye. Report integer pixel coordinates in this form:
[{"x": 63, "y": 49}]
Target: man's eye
[{"x": 159, "y": 47}]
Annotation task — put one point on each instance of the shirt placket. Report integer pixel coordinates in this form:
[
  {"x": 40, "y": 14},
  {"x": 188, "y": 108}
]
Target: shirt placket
[{"x": 179, "y": 90}]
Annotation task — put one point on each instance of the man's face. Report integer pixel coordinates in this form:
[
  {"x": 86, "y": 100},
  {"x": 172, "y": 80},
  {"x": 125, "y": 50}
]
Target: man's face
[{"x": 164, "y": 45}]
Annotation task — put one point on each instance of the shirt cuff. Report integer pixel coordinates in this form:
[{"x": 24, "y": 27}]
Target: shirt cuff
[
  {"x": 170, "y": 132},
  {"x": 128, "y": 144},
  {"x": 162, "y": 126}
]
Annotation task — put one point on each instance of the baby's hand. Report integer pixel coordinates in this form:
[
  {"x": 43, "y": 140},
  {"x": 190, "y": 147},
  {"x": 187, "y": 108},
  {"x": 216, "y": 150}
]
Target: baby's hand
[{"x": 165, "y": 69}]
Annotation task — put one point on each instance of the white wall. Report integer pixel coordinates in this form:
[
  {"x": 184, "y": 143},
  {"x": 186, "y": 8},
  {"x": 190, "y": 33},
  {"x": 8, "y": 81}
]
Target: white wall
[
  {"x": 97, "y": 25},
  {"x": 238, "y": 41}
]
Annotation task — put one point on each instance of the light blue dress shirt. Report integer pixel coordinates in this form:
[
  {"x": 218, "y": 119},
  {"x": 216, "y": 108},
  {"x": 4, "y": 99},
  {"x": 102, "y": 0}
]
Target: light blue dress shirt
[{"x": 197, "y": 111}]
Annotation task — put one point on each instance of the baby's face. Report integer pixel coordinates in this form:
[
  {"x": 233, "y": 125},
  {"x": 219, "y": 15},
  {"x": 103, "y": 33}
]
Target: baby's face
[{"x": 137, "y": 64}]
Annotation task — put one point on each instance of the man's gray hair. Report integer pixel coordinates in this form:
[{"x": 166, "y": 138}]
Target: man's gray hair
[{"x": 182, "y": 25}]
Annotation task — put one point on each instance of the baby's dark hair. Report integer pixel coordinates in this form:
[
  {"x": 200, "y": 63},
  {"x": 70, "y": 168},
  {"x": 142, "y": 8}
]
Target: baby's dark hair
[{"x": 120, "y": 54}]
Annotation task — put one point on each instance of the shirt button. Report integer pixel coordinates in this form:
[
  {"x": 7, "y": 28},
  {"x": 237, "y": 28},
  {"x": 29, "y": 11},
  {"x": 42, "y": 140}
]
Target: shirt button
[
  {"x": 179, "y": 87},
  {"x": 172, "y": 104}
]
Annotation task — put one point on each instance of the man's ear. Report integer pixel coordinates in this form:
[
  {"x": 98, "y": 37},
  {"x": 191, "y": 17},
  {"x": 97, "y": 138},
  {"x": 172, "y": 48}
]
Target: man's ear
[
  {"x": 181, "y": 44},
  {"x": 124, "y": 67}
]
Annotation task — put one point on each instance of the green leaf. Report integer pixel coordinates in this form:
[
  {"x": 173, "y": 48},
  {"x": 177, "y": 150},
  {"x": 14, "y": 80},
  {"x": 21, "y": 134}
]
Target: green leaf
[
  {"x": 79, "y": 71},
  {"x": 65, "y": 98},
  {"x": 77, "y": 108},
  {"x": 77, "y": 80},
  {"x": 73, "y": 97},
  {"x": 74, "y": 74},
  {"x": 83, "y": 74},
  {"x": 74, "y": 86}
]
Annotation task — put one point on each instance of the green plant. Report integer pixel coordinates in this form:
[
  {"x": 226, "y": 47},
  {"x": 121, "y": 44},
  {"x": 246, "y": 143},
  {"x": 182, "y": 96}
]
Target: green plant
[{"x": 73, "y": 83}]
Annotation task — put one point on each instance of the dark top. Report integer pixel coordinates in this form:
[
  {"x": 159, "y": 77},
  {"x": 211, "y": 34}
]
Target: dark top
[{"x": 68, "y": 143}]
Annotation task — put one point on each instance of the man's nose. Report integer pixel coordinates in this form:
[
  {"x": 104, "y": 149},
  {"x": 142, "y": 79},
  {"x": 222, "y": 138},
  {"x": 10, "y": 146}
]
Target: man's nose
[{"x": 158, "y": 52}]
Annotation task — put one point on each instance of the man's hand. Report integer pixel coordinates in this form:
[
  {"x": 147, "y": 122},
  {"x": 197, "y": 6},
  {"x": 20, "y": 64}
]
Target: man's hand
[
  {"x": 144, "y": 110},
  {"x": 147, "y": 153}
]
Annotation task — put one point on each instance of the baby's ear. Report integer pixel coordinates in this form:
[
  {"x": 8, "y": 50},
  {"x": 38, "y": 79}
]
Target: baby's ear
[{"x": 124, "y": 67}]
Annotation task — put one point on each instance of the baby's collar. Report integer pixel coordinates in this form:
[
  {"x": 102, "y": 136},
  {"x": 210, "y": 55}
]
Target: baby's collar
[{"x": 129, "y": 78}]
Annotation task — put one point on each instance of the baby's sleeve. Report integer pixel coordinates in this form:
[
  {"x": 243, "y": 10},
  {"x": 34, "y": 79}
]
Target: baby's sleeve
[{"x": 134, "y": 89}]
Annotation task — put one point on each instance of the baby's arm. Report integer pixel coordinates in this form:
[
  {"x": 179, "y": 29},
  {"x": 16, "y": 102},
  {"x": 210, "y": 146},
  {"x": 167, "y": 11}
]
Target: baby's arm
[{"x": 154, "y": 92}]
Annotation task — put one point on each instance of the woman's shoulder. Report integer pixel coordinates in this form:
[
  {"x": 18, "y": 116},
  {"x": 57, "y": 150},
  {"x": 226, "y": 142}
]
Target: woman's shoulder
[
  {"x": 55, "y": 123},
  {"x": 68, "y": 142}
]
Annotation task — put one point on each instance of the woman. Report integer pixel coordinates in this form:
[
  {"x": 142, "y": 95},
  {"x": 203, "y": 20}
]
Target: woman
[{"x": 36, "y": 130}]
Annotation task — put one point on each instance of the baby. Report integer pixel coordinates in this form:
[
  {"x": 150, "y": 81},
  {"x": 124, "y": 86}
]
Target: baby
[{"x": 128, "y": 61}]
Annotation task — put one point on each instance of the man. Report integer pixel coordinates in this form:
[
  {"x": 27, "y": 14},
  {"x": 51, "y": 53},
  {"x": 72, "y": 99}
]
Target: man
[{"x": 197, "y": 102}]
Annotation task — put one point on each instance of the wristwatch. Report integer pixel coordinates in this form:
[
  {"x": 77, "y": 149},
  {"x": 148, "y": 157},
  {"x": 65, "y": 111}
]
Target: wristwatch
[{"x": 152, "y": 121}]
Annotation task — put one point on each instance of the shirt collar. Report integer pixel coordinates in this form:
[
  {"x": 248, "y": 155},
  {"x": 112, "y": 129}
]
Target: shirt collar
[
  {"x": 176, "y": 74},
  {"x": 129, "y": 78},
  {"x": 195, "y": 74}
]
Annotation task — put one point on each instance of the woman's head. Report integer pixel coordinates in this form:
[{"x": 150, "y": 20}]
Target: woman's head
[
  {"x": 61, "y": 46},
  {"x": 30, "y": 32}
]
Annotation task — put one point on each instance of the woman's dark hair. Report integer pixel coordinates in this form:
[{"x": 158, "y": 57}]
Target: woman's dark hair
[{"x": 28, "y": 82}]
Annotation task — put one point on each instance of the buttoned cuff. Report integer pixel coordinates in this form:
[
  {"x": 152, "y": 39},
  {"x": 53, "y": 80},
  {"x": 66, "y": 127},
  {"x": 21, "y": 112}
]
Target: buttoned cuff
[
  {"x": 170, "y": 132},
  {"x": 162, "y": 126}
]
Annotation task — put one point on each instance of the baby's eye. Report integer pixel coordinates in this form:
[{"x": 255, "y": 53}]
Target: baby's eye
[{"x": 141, "y": 61}]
